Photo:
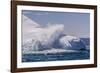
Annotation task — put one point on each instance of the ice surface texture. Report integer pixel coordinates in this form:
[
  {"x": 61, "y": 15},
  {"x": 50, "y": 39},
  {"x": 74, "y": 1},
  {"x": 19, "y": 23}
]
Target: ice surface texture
[{"x": 71, "y": 42}]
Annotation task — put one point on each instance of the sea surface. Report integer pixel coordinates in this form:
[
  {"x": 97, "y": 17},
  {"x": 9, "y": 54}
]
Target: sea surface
[{"x": 80, "y": 55}]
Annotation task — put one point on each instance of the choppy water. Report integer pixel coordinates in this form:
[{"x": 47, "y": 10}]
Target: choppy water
[{"x": 56, "y": 57}]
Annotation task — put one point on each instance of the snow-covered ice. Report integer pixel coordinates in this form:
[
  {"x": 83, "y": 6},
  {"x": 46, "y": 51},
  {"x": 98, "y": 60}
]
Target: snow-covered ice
[{"x": 72, "y": 42}]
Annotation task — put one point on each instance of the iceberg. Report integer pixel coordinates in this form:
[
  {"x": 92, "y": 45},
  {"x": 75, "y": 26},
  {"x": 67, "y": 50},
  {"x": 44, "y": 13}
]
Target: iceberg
[
  {"x": 47, "y": 39},
  {"x": 72, "y": 42},
  {"x": 43, "y": 38}
]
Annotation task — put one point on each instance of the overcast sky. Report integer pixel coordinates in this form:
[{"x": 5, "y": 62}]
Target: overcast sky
[{"x": 77, "y": 24}]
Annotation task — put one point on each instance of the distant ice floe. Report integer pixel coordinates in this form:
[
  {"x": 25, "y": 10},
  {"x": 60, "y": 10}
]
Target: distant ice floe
[{"x": 36, "y": 39}]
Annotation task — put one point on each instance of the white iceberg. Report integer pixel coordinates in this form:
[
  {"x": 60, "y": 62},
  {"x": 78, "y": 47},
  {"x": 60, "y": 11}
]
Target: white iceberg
[
  {"x": 71, "y": 42},
  {"x": 36, "y": 38},
  {"x": 43, "y": 38}
]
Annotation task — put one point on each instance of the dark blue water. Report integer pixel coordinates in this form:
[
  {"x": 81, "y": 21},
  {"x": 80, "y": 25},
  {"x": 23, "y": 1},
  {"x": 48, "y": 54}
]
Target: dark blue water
[{"x": 56, "y": 57}]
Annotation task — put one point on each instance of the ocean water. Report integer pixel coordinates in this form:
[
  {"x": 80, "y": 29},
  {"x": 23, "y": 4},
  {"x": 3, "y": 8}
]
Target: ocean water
[{"x": 80, "y": 55}]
